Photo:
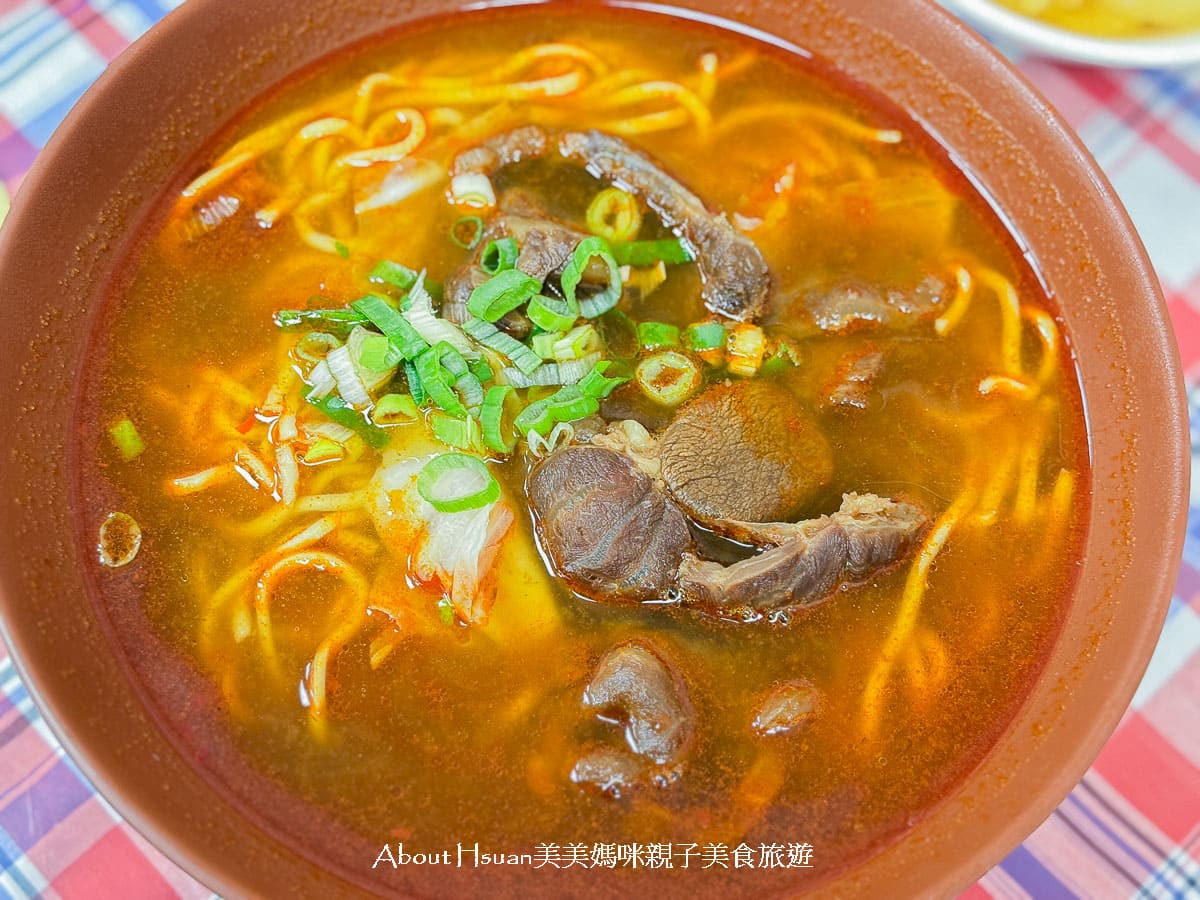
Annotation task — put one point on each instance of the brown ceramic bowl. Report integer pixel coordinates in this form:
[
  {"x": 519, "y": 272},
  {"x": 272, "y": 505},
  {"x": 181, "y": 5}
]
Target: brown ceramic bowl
[{"x": 158, "y": 103}]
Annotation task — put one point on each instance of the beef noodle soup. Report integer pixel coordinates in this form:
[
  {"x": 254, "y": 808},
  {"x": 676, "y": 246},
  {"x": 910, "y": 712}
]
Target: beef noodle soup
[{"x": 519, "y": 435}]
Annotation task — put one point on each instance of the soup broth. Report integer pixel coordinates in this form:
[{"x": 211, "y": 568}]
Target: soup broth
[{"x": 292, "y": 626}]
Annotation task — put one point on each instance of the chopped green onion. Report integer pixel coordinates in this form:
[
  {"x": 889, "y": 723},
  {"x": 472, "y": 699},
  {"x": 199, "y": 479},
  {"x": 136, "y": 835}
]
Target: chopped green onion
[
  {"x": 535, "y": 417},
  {"x": 445, "y": 609},
  {"x": 464, "y": 434},
  {"x": 596, "y": 385},
  {"x": 496, "y": 403},
  {"x": 323, "y": 450},
  {"x": 671, "y": 251},
  {"x": 704, "y": 336},
  {"x": 543, "y": 343},
  {"x": 614, "y": 215},
  {"x": 125, "y": 436},
  {"x": 315, "y": 346},
  {"x": 395, "y": 327},
  {"x": 467, "y": 232},
  {"x": 342, "y": 250},
  {"x": 502, "y": 293},
  {"x": 600, "y": 303},
  {"x": 470, "y": 390},
  {"x": 451, "y": 359},
  {"x": 482, "y": 369},
  {"x": 339, "y": 320},
  {"x": 395, "y": 409},
  {"x": 505, "y": 344},
  {"x": 773, "y": 366},
  {"x": 499, "y": 256},
  {"x": 653, "y": 335},
  {"x": 455, "y": 482},
  {"x": 570, "y": 403},
  {"x": 744, "y": 352},
  {"x": 376, "y": 353},
  {"x": 668, "y": 377},
  {"x": 414, "y": 383},
  {"x": 552, "y": 314},
  {"x": 576, "y": 343},
  {"x": 338, "y": 410},
  {"x": 435, "y": 381},
  {"x": 393, "y": 274}
]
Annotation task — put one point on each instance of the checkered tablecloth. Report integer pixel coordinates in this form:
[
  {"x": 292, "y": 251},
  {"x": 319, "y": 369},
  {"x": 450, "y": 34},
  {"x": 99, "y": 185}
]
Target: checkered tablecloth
[{"x": 1132, "y": 826}]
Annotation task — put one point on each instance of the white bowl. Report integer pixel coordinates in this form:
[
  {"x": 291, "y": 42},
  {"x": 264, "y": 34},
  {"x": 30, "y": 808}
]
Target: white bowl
[{"x": 1145, "y": 53}]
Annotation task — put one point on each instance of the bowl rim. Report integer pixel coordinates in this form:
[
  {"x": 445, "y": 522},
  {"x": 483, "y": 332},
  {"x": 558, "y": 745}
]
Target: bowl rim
[
  {"x": 1155, "y": 332},
  {"x": 1049, "y": 40}
]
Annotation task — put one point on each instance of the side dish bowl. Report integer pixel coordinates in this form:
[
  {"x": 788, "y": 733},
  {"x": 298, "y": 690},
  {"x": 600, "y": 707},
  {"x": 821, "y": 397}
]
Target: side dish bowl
[
  {"x": 1049, "y": 40},
  {"x": 151, "y": 112}
]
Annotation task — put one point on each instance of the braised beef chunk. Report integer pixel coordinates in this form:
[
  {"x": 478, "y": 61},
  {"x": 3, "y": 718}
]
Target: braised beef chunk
[
  {"x": 736, "y": 280},
  {"x": 609, "y": 770},
  {"x": 852, "y": 385},
  {"x": 502, "y": 150},
  {"x": 785, "y": 707},
  {"x": 606, "y": 526},
  {"x": 744, "y": 451},
  {"x": 807, "y": 560},
  {"x": 636, "y": 684},
  {"x": 855, "y": 306}
]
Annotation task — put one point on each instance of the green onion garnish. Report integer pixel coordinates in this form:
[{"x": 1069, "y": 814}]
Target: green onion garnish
[
  {"x": 414, "y": 383},
  {"x": 464, "y": 434},
  {"x": 671, "y": 251},
  {"x": 435, "y": 381},
  {"x": 467, "y": 232},
  {"x": 502, "y": 293},
  {"x": 653, "y": 335},
  {"x": 342, "y": 250},
  {"x": 376, "y": 353},
  {"x": 505, "y": 344},
  {"x": 668, "y": 377},
  {"x": 125, "y": 436},
  {"x": 552, "y": 314},
  {"x": 704, "y": 337},
  {"x": 535, "y": 417},
  {"x": 569, "y": 403},
  {"x": 454, "y": 482},
  {"x": 393, "y": 274},
  {"x": 338, "y": 410},
  {"x": 498, "y": 256},
  {"x": 614, "y": 215},
  {"x": 395, "y": 409},
  {"x": 336, "y": 320},
  {"x": 596, "y": 385},
  {"x": 395, "y": 327},
  {"x": 496, "y": 403},
  {"x": 597, "y": 304}
]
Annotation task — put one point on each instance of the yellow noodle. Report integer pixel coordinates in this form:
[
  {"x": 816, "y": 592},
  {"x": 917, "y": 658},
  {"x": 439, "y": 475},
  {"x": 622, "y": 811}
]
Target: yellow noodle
[
  {"x": 706, "y": 87},
  {"x": 1025, "y": 502},
  {"x": 1007, "y": 385},
  {"x": 310, "y": 534},
  {"x": 393, "y": 152},
  {"x": 200, "y": 481},
  {"x": 316, "y": 239},
  {"x": 648, "y": 123},
  {"x": 218, "y": 175},
  {"x": 317, "y": 560},
  {"x": 964, "y": 287},
  {"x": 910, "y": 609},
  {"x": 637, "y": 94},
  {"x": 794, "y": 114},
  {"x": 1003, "y": 463},
  {"x": 1010, "y": 319},
  {"x": 1047, "y": 331}
]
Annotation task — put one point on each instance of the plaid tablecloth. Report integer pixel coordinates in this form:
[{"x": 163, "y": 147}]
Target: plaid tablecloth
[{"x": 1132, "y": 826}]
